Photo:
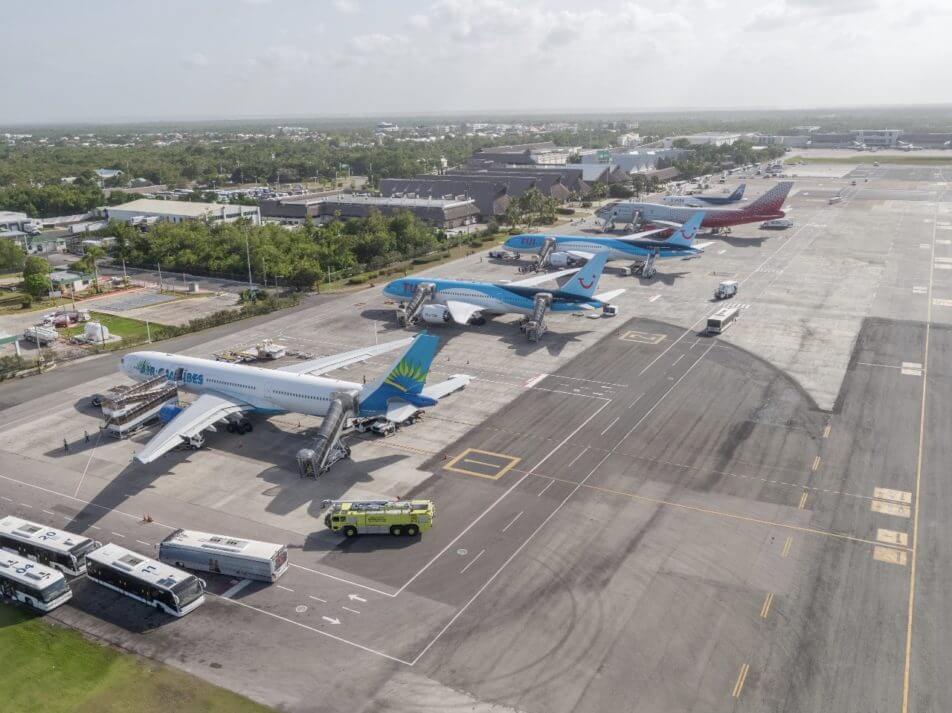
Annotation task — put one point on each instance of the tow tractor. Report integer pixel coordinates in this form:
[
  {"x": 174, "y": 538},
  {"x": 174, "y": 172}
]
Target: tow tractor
[
  {"x": 726, "y": 290},
  {"x": 397, "y": 517}
]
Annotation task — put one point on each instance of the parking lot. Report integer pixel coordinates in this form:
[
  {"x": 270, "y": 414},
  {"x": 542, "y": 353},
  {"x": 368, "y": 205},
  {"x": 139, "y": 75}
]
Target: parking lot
[{"x": 630, "y": 515}]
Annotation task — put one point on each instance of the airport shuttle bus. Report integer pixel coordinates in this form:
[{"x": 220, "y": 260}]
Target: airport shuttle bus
[
  {"x": 722, "y": 319},
  {"x": 151, "y": 582},
  {"x": 47, "y": 545},
  {"x": 32, "y": 583},
  {"x": 221, "y": 554}
]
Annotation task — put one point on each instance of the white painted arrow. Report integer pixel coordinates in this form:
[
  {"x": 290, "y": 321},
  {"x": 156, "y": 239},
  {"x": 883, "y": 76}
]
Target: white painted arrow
[
  {"x": 331, "y": 621},
  {"x": 356, "y": 598}
]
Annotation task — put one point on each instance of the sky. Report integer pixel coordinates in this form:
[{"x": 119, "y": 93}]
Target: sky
[{"x": 119, "y": 60}]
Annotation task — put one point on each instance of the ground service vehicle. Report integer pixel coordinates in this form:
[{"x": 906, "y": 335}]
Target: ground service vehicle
[
  {"x": 777, "y": 224},
  {"x": 147, "y": 580},
  {"x": 353, "y": 517},
  {"x": 722, "y": 319},
  {"x": 222, "y": 554},
  {"x": 46, "y": 545},
  {"x": 31, "y": 583},
  {"x": 726, "y": 290}
]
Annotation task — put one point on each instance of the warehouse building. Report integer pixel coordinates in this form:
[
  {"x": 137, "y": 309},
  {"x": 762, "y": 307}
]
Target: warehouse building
[
  {"x": 491, "y": 194},
  {"x": 178, "y": 211},
  {"x": 541, "y": 153},
  {"x": 322, "y": 208},
  {"x": 548, "y": 183},
  {"x": 571, "y": 176}
]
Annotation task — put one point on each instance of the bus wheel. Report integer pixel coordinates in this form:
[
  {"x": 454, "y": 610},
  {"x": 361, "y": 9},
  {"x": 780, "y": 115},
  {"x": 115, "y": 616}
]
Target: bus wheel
[
  {"x": 231, "y": 427},
  {"x": 412, "y": 530},
  {"x": 396, "y": 530},
  {"x": 350, "y": 531}
]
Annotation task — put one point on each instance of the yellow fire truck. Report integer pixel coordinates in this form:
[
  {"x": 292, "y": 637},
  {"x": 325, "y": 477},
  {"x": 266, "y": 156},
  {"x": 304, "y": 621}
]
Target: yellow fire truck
[{"x": 398, "y": 517}]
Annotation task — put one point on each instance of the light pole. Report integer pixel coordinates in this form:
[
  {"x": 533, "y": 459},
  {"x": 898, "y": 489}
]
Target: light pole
[{"x": 248, "y": 256}]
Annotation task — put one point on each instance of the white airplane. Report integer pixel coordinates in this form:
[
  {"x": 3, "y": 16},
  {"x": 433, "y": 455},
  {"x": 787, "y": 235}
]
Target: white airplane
[{"x": 228, "y": 390}]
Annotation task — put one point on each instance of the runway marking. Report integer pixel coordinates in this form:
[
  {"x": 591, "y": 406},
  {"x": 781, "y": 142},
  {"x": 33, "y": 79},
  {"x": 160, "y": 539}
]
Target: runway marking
[
  {"x": 49, "y": 513},
  {"x": 899, "y": 496},
  {"x": 786, "y": 547},
  {"x": 637, "y": 399},
  {"x": 353, "y": 611},
  {"x": 675, "y": 362},
  {"x": 577, "y": 456},
  {"x": 539, "y": 494},
  {"x": 286, "y": 589},
  {"x": 890, "y": 555},
  {"x": 911, "y": 368},
  {"x": 765, "y": 609},
  {"x": 591, "y": 381},
  {"x": 941, "y": 303},
  {"x": 143, "y": 542},
  {"x": 513, "y": 521},
  {"x": 84, "y": 502},
  {"x": 26, "y": 505},
  {"x": 94, "y": 527},
  {"x": 234, "y": 589},
  {"x": 642, "y": 337},
  {"x": 507, "y": 464},
  {"x": 741, "y": 679},
  {"x": 534, "y": 380},
  {"x": 892, "y": 537},
  {"x": 608, "y": 428},
  {"x": 88, "y": 461},
  {"x": 887, "y": 508},
  {"x": 4, "y": 497},
  {"x": 315, "y": 630},
  {"x": 473, "y": 561},
  {"x": 317, "y": 599},
  {"x": 117, "y": 534},
  {"x": 827, "y": 429},
  {"x": 816, "y": 464},
  {"x": 803, "y": 500}
]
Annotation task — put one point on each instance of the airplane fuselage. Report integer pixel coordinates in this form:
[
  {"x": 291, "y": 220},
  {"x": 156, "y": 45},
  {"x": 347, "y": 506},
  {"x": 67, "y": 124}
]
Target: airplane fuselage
[
  {"x": 491, "y": 298},
  {"x": 616, "y": 248},
  {"x": 713, "y": 217},
  {"x": 265, "y": 390}
]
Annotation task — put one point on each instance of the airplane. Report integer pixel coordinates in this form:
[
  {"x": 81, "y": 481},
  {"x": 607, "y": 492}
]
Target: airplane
[
  {"x": 227, "y": 391},
  {"x": 438, "y": 301},
  {"x": 705, "y": 201},
  {"x": 637, "y": 246},
  {"x": 766, "y": 207}
]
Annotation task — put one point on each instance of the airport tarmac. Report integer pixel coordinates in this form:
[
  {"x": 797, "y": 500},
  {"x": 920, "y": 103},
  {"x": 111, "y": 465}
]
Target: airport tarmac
[{"x": 630, "y": 515}]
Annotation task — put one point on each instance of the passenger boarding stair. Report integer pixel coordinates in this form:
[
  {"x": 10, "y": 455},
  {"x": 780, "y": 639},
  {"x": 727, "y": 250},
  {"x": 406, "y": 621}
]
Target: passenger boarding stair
[
  {"x": 412, "y": 310},
  {"x": 125, "y": 409},
  {"x": 548, "y": 247},
  {"x": 535, "y": 326},
  {"x": 328, "y": 447},
  {"x": 647, "y": 268}
]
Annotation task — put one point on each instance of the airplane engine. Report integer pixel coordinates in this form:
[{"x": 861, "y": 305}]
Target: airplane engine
[
  {"x": 435, "y": 314},
  {"x": 561, "y": 260}
]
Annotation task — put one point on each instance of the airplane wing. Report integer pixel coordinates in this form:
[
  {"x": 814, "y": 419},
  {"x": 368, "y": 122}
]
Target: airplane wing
[
  {"x": 649, "y": 233},
  {"x": 581, "y": 254},
  {"x": 542, "y": 277},
  {"x": 398, "y": 411},
  {"x": 192, "y": 420},
  {"x": 316, "y": 367},
  {"x": 462, "y": 312},
  {"x": 701, "y": 246}
]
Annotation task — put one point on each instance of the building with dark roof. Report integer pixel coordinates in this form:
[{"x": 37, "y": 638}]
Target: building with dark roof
[
  {"x": 490, "y": 194},
  {"x": 569, "y": 176},
  {"x": 324, "y": 207},
  {"x": 543, "y": 152},
  {"x": 548, "y": 183}
]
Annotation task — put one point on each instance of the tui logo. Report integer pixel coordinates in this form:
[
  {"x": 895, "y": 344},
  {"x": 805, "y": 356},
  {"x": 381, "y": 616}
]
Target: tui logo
[{"x": 584, "y": 286}]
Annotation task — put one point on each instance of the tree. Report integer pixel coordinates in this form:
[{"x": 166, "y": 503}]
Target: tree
[
  {"x": 37, "y": 284},
  {"x": 12, "y": 256},
  {"x": 620, "y": 190},
  {"x": 305, "y": 275},
  {"x": 599, "y": 191},
  {"x": 35, "y": 265}
]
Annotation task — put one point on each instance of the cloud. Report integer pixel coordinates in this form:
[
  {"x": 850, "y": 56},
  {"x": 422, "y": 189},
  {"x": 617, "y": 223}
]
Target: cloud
[
  {"x": 280, "y": 58},
  {"x": 834, "y": 7},
  {"x": 420, "y": 22},
  {"x": 377, "y": 43},
  {"x": 196, "y": 61},
  {"x": 348, "y": 7}
]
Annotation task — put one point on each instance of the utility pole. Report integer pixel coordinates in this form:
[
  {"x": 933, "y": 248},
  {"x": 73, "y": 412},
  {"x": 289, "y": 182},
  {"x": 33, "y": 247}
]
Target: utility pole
[
  {"x": 159, "y": 266},
  {"x": 248, "y": 256}
]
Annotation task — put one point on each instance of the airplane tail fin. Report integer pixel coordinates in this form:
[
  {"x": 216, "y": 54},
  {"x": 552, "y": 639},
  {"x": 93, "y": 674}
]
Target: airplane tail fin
[
  {"x": 585, "y": 281},
  {"x": 738, "y": 193},
  {"x": 684, "y": 235},
  {"x": 404, "y": 380},
  {"x": 772, "y": 200}
]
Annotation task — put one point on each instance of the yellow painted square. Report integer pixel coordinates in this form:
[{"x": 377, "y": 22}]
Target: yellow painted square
[
  {"x": 502, "y": 468},
  {"x": 887, "y": 508},
  {"x": 890, "y": 555},
  {"x": 643, "y": 337},
  {"x": 891, "y": 537},
  {"x": 897, "y": 496}
]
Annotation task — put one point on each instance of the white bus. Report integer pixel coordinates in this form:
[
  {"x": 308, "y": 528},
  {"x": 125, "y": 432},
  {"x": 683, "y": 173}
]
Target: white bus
[
  {"x": 46, "y": 545},
  {"x": 722, "y": 319},
  {"x": 222, "y": 554},
  {"x": 32, "y": 583},
  {"x": 147, "y": 580}
]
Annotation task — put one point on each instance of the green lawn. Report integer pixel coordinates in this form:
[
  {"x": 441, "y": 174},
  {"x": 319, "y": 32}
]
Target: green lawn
[
  {"x": 49, "y": 669},
  {"x": 119, "y": 326}
]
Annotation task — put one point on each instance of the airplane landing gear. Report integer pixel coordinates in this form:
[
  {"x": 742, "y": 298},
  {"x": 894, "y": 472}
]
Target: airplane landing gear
[{"x": 240, "y": 427}]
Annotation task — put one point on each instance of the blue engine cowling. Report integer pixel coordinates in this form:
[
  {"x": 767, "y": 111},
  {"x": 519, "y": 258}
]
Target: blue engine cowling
[{"x": 168, "y": 412}]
